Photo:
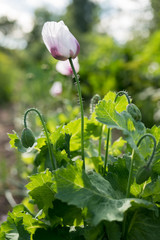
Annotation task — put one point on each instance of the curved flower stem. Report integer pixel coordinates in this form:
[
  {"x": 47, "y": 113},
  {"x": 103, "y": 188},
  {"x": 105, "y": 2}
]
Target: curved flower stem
[
  {"x": 131, "y": 172},
  {"x": 52, "y": 158},
  {"x": 131, "y": 164},
  {"x": 82, "y": 111},
  {"x": 94, "y": 100},
  {"x": 122, "y": 93},
  {"x": 106, "y": 154},
  {"x": 154, "y": 147}
]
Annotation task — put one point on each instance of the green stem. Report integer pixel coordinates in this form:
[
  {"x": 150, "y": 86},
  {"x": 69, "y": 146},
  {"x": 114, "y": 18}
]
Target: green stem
[
  {"x": 124, "y": 226},
  {"x": 100, "y": 141},
  {"x": 130, "y": 225},
  {"x": 95, "y": 100},
  {"x": 106, "y": 154},
  {"x": 149, "y": 162},
  {"x": 130, "y": 176},
  {"x": 131, "y": 172},
  {"x": 122, "y": 93},
  {"x": 82, "y": 111},
  {"x": 128, "y": 193},
  {"x": 52, "y": 158}
]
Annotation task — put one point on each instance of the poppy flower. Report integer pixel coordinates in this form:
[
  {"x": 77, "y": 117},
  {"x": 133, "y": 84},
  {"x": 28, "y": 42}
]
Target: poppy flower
[
  {"x": 56, "y": 89},
  {"x": 59, "y": 41},
  {"x": 65, "y": 68}
]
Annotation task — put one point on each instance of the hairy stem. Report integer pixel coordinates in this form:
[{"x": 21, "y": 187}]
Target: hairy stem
[
  {"x": 154, "y": 147},
  {"x": 100, "y": 141},
  {"x": 52, "y": 158},
  {"x": 82, "y": 111},
  {"x": 106, "y": 154},
  {"x": 122, "y": 93}
]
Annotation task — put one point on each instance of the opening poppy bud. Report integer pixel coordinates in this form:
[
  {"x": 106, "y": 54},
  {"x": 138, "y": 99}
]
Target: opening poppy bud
[
  {"x": 134, "y": 111},
  {"x": 59, "y": 41},
  {"x": 65, "y": 68},
  {"x": 27, "y": 138},
  {"x": 143, "y": 174}
]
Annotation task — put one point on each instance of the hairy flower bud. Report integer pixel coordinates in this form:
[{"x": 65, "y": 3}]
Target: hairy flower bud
[
  {"x": 59, "y": 41},
  {"x": 27, "y": 138},
  {"x": 143, "y": 174},
  {"x": 134, "y": 111}
]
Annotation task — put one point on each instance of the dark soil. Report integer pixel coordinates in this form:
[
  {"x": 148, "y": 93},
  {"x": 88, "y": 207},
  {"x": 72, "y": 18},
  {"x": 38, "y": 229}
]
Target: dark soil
[{"x": 7, "y": 156}]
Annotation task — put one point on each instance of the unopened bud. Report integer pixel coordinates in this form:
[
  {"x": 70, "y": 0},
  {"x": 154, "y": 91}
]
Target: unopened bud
[
  {"x": 27, "y": 138},
  {"x": 143, "y": 174},
  {"x": 134, "y": 111}
]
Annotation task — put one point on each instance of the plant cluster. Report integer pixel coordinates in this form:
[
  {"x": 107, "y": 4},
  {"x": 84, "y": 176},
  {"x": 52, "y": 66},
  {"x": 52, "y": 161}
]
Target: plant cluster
[{"x": 86, "y": 183}]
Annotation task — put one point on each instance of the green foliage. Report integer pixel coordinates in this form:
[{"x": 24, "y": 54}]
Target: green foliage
[
  {"x": 20, "y": 224},
  {"x": 74, "y": 186},
  {"x": 118, "y": 174},
  {"x": 118, "y": 147},
  {"x": 59, "y": 233},
  {"x": 107, "y": 113},
  {"x": 84, "y": 14},
  {"x": 134, "y": 111},
  {"x": 98, "y": 74},
  {"x": 146, "y": 229},
  {"x": 10, "y": 76},
  {"x": 104, "y": 65},
  {"x": 73, "y": 203},
  {"x": 70, "y": 203},
  {"x": 113, "y": 230},
  {"x": 40, "y": 190},
  {"x": 156, "y": 17},
  {"x": 15, "y": 142},
  {"x": 152, "y": 190}
]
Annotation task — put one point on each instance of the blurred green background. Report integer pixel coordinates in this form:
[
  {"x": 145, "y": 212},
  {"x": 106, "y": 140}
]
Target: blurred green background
[{"x": 28, "y": 71}]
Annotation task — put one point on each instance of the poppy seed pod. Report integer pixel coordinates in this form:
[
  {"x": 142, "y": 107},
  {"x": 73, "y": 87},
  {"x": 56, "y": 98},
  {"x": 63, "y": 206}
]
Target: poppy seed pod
[
  {"x": 134, "y": 111},
  {"x": 27, "y": 138},
  {"x": 59, "y": 41}
]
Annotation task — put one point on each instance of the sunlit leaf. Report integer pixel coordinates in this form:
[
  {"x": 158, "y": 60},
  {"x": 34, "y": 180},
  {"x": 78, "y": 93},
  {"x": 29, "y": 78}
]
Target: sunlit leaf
[
  {"x": 117, "y": 147},
  {"x": 20, "y": 224},
  {"x": 106, "y": 113},
  {"x": 40, "y": 189},
  {"x": 15, "y": 142},
  {"x": 121, "y": 101},
  {"x": 152, "y": 190},
  {"x": 94, "y": 163}
]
